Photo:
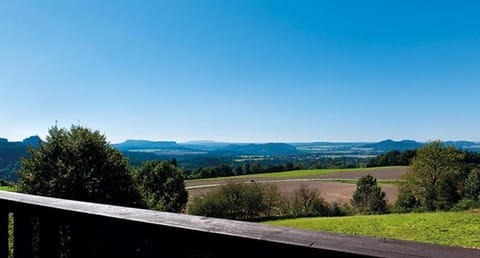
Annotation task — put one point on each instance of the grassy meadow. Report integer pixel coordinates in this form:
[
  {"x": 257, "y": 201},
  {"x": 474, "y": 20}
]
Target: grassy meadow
[
  {"x": 7, "y": 188},
  {"x": 446, "y": 228}
]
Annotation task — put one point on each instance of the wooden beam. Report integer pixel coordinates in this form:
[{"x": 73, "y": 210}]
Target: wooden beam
[{"x": 259, "y": 235}]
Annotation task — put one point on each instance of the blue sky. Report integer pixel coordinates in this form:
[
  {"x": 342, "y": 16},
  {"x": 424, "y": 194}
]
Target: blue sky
[{"x": 244, "y": 71}]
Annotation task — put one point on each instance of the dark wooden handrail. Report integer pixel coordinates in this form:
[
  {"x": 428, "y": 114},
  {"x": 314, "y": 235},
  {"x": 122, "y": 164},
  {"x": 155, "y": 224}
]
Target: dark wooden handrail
[{"x": 98, "y": 230}]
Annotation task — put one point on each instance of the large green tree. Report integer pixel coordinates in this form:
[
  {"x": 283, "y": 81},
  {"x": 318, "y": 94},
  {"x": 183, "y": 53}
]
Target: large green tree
[
  {"x": 433, "y": 176},
  {"x": 79, "y": 164},
  {"x": 162, "y": 186}
]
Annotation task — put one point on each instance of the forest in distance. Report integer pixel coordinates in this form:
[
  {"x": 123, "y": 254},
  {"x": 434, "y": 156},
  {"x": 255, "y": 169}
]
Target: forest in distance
[{"x": 204, "y": 159}]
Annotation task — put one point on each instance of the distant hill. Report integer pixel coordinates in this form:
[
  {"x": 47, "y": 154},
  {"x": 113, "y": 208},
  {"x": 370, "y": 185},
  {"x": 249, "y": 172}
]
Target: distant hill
[
  {"x": 466, "y": 145},
  {"x": 33, "y": 141},
  {"x": 204, "y": 145},
  {"x": 257, "y": 149},
  {"x": 389, "y": 145},
  {"x": 144, "y": 144},
  {"x": 11, "y": 153}
]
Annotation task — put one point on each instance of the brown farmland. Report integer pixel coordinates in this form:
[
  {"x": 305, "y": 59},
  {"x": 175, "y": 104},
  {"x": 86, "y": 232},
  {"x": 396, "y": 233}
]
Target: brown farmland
[{"x": 330, "y": 191}]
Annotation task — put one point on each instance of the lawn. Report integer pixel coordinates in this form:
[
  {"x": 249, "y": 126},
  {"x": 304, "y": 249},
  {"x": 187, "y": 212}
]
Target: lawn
[
  {"x": 296, "y": 173},
  {"x": 6, "y": 188},
  {"x": 447, "y": 228}
]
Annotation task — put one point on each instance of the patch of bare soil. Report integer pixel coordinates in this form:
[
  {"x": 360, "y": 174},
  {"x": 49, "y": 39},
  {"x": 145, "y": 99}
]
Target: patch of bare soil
[{"x": 330, "y": 191}]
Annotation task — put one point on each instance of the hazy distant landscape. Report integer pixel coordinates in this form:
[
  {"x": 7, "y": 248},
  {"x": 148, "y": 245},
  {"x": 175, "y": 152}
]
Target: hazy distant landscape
[{"x": 195, "y": 154}]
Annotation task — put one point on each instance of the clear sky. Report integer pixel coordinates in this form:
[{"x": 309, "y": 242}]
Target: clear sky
[{"x": 245, "y": 71}]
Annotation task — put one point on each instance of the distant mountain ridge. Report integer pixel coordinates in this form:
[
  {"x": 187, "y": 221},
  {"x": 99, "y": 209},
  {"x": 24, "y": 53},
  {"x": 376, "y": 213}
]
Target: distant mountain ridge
[
  {"x": 389, "y": 145},
  {"x": 11, "y": 153},
  {"x": 266, "y": 149},
  {"x": 146, "y": 144},
  {"x": 224, "y": 148}
]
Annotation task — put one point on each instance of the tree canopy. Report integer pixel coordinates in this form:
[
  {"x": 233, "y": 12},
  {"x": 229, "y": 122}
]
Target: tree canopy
[
  {"x": 79, "y": 164},
  {"x": 162, "y": 186},
  {"x": 434, "y": 174}
]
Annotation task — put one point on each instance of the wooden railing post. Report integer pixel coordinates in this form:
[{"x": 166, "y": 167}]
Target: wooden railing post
[
  {"x": 49, "y": 238},
  {"x": 3, "y": 233},
  {"x": 82, "y": 239},
  {"x": 22, "y": 231}
]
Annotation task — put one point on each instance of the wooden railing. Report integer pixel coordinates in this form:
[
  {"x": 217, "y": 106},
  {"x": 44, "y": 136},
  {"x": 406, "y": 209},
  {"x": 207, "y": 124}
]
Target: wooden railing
[{"x": 48, "y": 227}]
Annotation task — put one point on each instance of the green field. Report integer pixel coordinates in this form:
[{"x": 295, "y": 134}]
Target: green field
[
  {"x": 296, "y": 173},
  {"x": 447, "y": 228},
  {"x": 6, "y": 188}
]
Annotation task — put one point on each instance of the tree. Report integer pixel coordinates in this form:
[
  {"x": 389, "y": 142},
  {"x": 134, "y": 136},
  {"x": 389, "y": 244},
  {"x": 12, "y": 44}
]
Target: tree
[
  {"x": 305, "y": 202},
  {"x": 162, "y": 186},
  {"x": 472, "y": 186},
  {"x": 79, "y": 164},
  {"x": 368, "y": 197},
  {"x": 406, "y": 200},
  {"x": 434, "y": 174}
]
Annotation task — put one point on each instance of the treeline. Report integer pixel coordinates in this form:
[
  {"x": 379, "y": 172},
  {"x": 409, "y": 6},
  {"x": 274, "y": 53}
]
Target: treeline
[
  {"x": 392, "y": 158},
  {"x": 246, "y": 169},
  {"x": 404, "y": 158}
]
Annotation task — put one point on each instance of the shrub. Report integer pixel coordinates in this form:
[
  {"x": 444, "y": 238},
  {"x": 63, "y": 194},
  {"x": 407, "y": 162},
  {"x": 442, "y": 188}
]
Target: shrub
[{"x": 233, "y": 201}]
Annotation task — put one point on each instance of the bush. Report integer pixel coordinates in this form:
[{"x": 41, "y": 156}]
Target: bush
[
  {"x": 233, "y": 201},
  {"x": 406, "y": 200},
  {"x": 466, "y": 204},
  {"x": 472, "y": 185}
]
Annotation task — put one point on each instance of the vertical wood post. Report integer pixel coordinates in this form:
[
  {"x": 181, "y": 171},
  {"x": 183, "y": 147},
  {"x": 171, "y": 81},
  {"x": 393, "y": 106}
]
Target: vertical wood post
[
  {"x": 49, "y": 238},
  {"x": 81, "y": 239},
  {"x": 22, "y": 231},
  {"x": 3, "y": 233}
]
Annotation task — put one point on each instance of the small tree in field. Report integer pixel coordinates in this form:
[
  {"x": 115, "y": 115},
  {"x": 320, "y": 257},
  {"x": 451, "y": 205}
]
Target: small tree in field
[
  {"x": 368, "y": 197},
  {"x": 306, "y": 202}
]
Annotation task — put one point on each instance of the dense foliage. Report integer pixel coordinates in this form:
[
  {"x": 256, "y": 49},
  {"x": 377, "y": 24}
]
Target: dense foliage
[
  {"x": 392, "y": 158},
  {"x": 439, "y": 176},
  {"x": 232, "y": 201},
  {"x": 369, "y": 198},
  {"x": 79, "y": 164},
  {"x": 162, "y": 186}
]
